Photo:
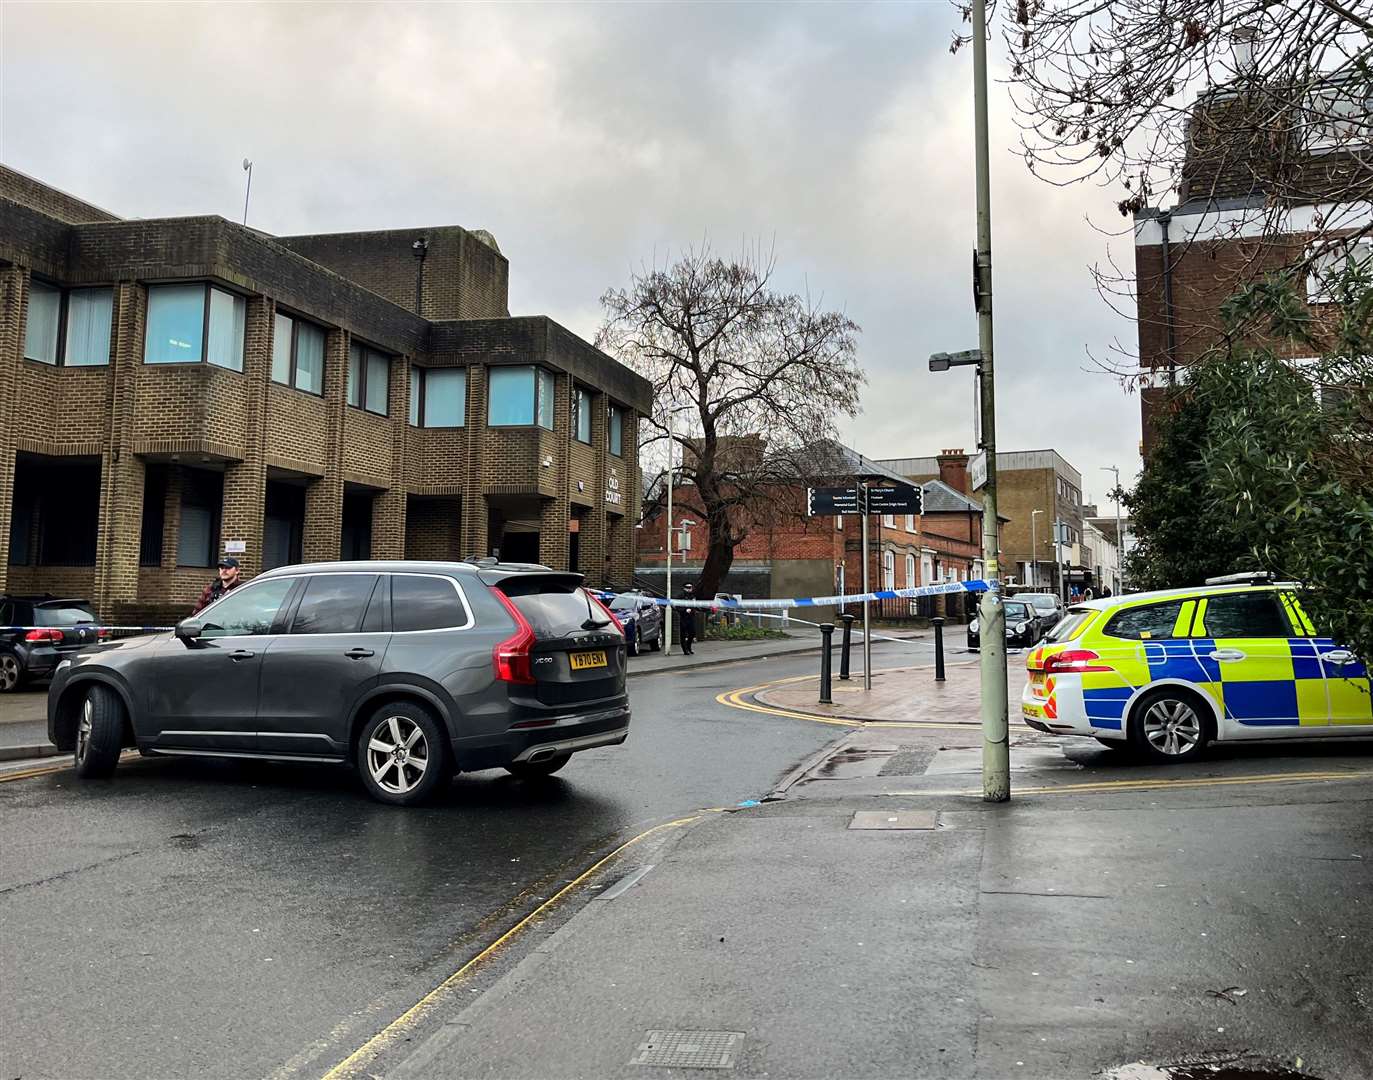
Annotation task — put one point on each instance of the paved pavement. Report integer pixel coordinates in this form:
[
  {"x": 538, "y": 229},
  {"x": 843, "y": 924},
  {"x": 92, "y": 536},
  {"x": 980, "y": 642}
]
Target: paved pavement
[{"x": 1111, "y": 913}]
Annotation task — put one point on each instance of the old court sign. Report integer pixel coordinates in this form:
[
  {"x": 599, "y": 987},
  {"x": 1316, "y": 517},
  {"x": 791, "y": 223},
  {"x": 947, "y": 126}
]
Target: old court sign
[{"x": 612, "y": 487}]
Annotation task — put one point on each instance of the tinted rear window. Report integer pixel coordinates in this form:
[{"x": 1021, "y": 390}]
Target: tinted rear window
[
  {"x": 552, "y": 609},
  {"x": 63, "y": 615},
  {"x": 333, "y": 603},
  {"x": 425, "y": 603}
]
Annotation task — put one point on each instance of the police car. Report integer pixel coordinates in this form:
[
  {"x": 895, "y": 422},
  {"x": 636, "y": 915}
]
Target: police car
[{"x": 1166, "y": 673}]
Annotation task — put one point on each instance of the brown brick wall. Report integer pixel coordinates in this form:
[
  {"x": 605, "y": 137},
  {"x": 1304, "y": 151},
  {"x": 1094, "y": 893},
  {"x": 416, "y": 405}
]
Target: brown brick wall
[
  {"x": 433, "y": 529},
  {"x": 27, "y": 191}
]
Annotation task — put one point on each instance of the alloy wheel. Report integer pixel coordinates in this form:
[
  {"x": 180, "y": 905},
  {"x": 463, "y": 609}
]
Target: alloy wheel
[
  {"x": 1172, "y": 727},
  {"x": 9, "y": 671},
  {"x": 83, "y": 730},
  {"x": 397, "y": 754}
]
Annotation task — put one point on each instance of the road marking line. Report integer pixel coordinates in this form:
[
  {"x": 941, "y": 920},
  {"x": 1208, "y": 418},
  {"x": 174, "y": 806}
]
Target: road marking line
[
  {"x": 62, "y": 764},
  {"x": 1153, "y": 785},
  {"x": 734, "y": 699},
  {"x": 369, "y": 1050}
]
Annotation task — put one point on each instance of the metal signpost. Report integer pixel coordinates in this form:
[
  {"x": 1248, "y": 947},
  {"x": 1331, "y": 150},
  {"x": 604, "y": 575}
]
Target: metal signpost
[{"x": 863, "y": 499}]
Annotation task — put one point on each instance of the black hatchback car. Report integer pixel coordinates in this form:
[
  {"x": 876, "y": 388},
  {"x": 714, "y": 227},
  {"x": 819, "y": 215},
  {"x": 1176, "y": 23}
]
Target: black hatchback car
[
  {"x": 37, "y": 632},
  {"x": 407, "y": 671}
]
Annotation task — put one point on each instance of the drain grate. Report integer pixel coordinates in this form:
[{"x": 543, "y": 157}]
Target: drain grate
[{"x": 689, "y": 1049}]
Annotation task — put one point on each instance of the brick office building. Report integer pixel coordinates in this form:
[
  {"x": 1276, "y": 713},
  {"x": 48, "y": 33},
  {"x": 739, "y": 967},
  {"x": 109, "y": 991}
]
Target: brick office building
[
  {"x": 173, "y": 389},
  {"x": 1246, "y": 206}
]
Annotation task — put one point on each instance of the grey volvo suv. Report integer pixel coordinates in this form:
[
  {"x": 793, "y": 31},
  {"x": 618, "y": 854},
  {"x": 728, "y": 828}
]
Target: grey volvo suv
[{"x": 408, "y": 671}]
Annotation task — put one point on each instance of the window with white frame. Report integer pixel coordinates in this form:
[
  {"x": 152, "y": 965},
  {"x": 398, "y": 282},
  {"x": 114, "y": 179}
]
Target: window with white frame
[
  {"x": 1340, "y": 114},
  {"x": 910, "y": 571},
  {"x": 1331, "y": 261},
  {"x": 888, "y": 521},
  {"x": 194, "y": 324},
  {"x": 910, "y": 523},
  {"x": 889, "y": 569},
  {"x": 838, "y": 522},
  {"x": 68, "y": 326}
]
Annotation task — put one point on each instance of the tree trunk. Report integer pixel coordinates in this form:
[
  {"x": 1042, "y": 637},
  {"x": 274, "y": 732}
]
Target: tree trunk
[{"x": 719, "y": 558}]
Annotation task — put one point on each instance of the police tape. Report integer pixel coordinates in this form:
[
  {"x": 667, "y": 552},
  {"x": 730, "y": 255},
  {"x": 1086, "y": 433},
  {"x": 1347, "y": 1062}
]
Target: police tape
[
  {"x": 913, "y": 593},
  {"x": 53, "y": 632}
]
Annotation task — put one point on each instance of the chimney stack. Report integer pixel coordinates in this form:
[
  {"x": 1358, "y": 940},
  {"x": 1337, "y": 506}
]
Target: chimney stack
[{"x": 953, "y": 470}]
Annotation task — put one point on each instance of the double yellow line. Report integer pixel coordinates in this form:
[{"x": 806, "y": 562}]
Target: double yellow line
[
  {"x": 736, "y": 699},
  {"x": 1164, "y": 784}
]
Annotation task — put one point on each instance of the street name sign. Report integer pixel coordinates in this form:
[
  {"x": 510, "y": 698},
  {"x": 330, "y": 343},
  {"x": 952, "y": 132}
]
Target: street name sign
[
  {"x": 894, "y": 499},
  {"x": 832, "y": 500}
]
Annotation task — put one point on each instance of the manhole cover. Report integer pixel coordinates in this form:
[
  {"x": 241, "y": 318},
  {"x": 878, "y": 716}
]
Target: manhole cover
[
  {"x": 689, "y": 1049},
  {"x": 893, "y": 819}
]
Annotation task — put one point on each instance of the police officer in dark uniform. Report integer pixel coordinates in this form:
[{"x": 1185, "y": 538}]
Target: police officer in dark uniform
[{"x": 688, "y": 621}]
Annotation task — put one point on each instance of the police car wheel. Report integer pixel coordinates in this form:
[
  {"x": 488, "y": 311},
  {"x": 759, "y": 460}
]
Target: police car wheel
[{"x": 1168, "y": 726}]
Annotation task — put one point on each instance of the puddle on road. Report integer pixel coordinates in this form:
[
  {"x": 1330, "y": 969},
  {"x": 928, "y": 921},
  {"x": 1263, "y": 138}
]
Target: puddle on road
[{"x": 1229, "y": 1068}]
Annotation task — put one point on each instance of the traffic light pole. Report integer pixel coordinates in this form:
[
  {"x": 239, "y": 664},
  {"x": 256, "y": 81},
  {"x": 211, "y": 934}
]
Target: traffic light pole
[
  {"x": 996, "y": 762},
  {"x": 867, "y": 624}
]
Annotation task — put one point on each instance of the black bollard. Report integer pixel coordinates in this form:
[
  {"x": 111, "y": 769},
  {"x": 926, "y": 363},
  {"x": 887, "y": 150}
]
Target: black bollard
[
  {"x": 938, "y": 624},
  {"x": 827, "y": 638},
  {"x": 844, "y": 649}
]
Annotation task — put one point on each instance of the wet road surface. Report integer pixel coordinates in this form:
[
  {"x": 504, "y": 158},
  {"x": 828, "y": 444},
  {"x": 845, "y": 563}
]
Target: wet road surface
[{"x": 227, "y": 919}]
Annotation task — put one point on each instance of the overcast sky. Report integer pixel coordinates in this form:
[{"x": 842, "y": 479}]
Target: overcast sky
[{"x": 587, "y": 138}]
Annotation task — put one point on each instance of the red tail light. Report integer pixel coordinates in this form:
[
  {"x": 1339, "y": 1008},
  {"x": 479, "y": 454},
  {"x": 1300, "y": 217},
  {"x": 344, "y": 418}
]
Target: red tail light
[
  {"x": 511, "y": 656},
  {"x": 102, "y": 634},
  {"x": 618, "y": 625},
  {"x": 43, "y": 635},
  {"x": 1071, "y": 661}
]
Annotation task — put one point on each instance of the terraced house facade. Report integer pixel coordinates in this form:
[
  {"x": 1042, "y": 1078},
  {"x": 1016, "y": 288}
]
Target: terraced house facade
[{"x": 173, "y": 390}]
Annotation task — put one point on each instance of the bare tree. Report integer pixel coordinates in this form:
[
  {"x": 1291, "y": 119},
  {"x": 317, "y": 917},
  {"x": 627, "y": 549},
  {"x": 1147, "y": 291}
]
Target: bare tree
[
  {"x": 1266, "y": 101},
  {"x": 764, "y": 375}
]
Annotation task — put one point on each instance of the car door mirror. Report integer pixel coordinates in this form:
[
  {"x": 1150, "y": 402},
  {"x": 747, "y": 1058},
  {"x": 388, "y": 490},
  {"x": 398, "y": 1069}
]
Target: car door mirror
[{"x": 189, "y": 630}]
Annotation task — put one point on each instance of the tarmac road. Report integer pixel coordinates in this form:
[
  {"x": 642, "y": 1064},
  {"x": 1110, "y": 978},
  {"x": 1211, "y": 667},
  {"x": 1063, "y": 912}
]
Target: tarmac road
[{"x": 221, "y": 919}]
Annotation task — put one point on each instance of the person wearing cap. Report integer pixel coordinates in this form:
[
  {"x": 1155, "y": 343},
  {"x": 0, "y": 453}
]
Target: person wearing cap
[
  {"x": 688, "y": 621},
  {"x": 226, "y": 580}
]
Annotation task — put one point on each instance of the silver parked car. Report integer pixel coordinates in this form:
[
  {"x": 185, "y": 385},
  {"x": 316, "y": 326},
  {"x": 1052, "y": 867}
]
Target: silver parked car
[{"x": 407, "y": 671}]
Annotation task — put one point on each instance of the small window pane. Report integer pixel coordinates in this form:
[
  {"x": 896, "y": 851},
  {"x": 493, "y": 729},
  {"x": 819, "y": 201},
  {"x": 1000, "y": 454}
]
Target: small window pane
[
  {"x": 617, "y": 420},
  {"x": 89, "y": 314},
  {"x": 225, "y": 345},
  {"x": 378, "y": 374},
  {"x": 1152, "y": 622},
  {"x": 511, "y": 396},
  {"x": 425, "y": 603},
  {"x": 333, "y": 604},
  {"x": 249, "y": 609},
  {"x": 282, "y": 326},
  {"x": 416, "y": 384},
  {"x": 545, "y": 399},
  {"x": 581, "y": 405},
  {"x": 354, "y": 374},
  {"x": 445, "y": 397},
  {"x": 1245, "y": 615},
  {"x": 40, "y": 333},
  {"x": 309, "y": 358},
  {"x": 176, "y": 321},
  {"x": 195, "y": 544}
]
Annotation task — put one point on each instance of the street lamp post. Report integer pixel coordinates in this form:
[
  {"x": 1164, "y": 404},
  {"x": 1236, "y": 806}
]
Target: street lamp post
[
  {"x": 671, "y": 449},
  {"x": 1120, "y": 536},
  {"x": 1034, "y": 549}
]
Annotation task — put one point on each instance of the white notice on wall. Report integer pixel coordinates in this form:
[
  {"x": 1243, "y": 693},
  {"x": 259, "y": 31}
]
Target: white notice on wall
[{"x": 235, "y": 547}]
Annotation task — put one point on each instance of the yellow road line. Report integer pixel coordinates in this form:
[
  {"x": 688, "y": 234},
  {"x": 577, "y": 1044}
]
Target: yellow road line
[
  {"x": 1154, "y": 785},
  {"x": 735, "y": 699},
  {"x": 60, "y": 764},
  {"x": 408, "y": 1019}
]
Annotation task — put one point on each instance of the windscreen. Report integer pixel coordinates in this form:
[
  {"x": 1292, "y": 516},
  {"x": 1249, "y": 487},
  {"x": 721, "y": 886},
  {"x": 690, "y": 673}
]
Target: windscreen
[
  {"x": 62, "y": 615},
  {"x": 1015, "y": 611},
  {"x": 624, "y": 603}
]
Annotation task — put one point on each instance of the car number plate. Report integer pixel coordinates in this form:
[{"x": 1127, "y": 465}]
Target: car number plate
[{"x": 582, "y": 660}]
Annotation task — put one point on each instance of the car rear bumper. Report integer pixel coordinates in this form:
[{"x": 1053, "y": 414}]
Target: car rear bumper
[
  {"x": 566, "y": 733},
  {"x": 1056, "y": 706}
]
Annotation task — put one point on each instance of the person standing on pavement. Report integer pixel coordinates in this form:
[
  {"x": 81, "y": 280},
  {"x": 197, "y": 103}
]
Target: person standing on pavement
[
  {"x": 228, "y": 579},
  {"x": 688, "y": 622}
]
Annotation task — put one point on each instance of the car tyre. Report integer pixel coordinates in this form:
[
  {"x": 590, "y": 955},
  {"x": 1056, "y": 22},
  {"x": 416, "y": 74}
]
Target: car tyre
[
  {"x": 99, "y": 733},
  {"x": 402, "y": 754},
  {"x": 11, "y": 672},
  {"x": 636, "y": 643},
  {"x": 532, "y": 770},
  {"x": 657, "y": 645},
  {"x": 1168, "y": 726}
]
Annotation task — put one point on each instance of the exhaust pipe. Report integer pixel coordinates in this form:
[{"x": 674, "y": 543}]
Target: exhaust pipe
[{"x": 542, "y": 755}]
